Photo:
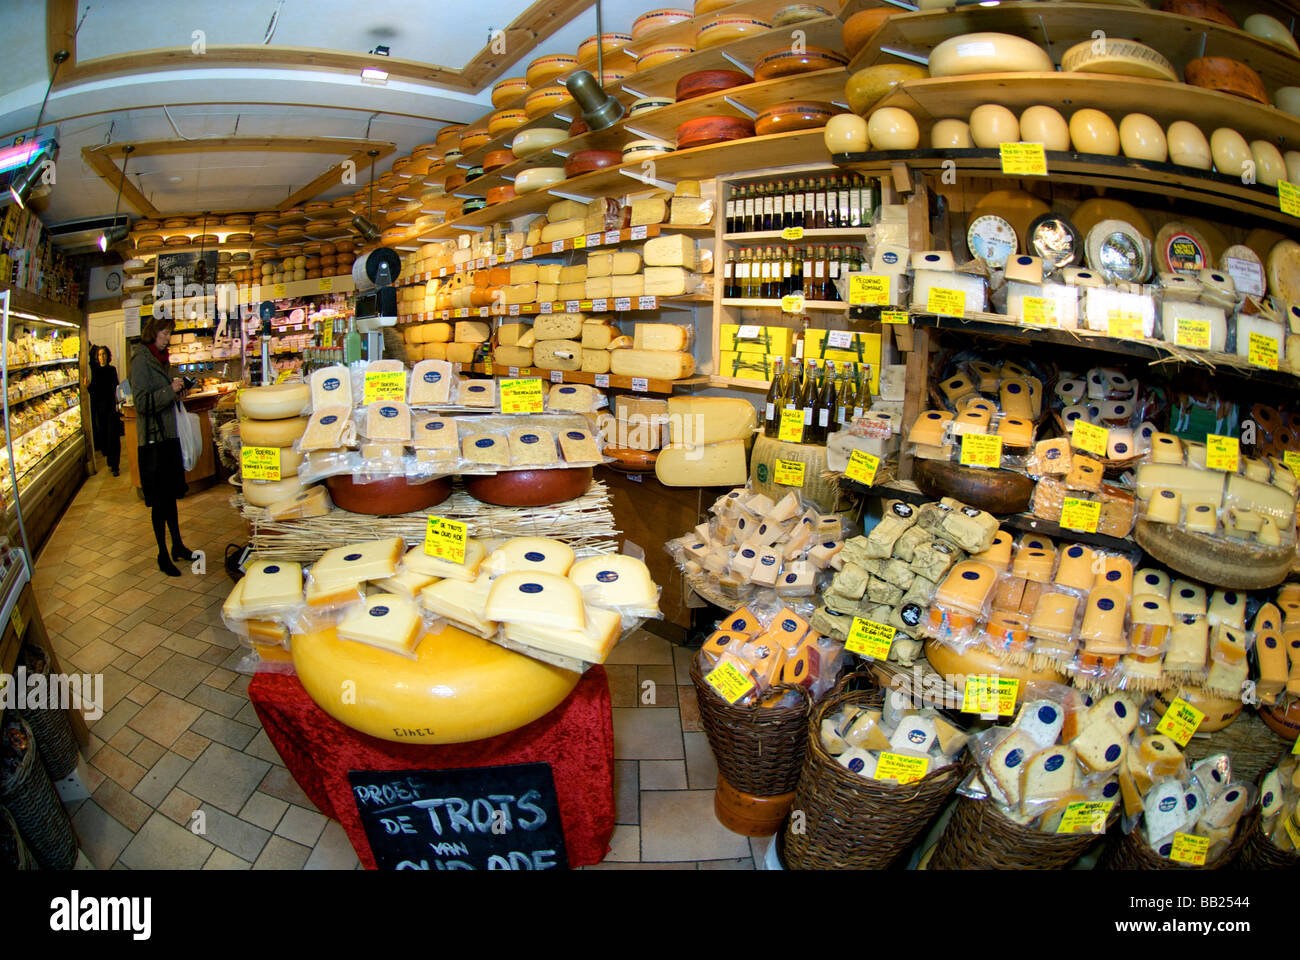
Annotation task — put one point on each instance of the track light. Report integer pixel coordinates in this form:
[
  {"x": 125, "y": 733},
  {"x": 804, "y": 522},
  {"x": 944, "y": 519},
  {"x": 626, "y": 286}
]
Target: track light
[
  {"x": 368, "y": 231},
  {"x": 23, "y": 181},
  {"x": 599, "y": 109}
]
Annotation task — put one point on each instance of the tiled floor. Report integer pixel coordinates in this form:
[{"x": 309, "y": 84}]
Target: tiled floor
[{"x": 183, "y": 777}]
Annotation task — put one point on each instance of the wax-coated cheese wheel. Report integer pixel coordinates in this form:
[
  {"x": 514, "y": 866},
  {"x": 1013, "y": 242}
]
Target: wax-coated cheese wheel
[
  {"x": 1091, "y": 131},
  {"x": 992, "y": 124},
  {"x": 891, "y": 128},
  {"x": 263, "y": 493},
  {"x": 537, "y": 140},
  {"x": 868, "y": 86},
  {"x": 1227, "y": 76},
  {"x": 973, "y": 53},
  {"x": 950, "y": 134},
  {"x": 1231, "y": 152},
  {"x": 1269, "y": 165},
  {"x": 1142, "y": 138},
  {"x": 271, "y": 433},
  {"x": 1188, "y": 146},
  {"x": 1042, "y": 124},
  {"x": 1124, "y": 58},
  {"x": 275, "y": 402}
]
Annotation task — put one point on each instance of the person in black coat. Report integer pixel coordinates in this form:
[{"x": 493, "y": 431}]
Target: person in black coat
[{"x": 104, "y": 418}]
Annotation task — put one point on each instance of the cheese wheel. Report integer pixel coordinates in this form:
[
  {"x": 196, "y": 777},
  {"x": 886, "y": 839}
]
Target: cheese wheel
[
  {"x": 1125, "y": 58},
  {"x": 1266, "y": 28},
  {"x": 458, "y": 688},
  {"x": 891, "y": 128},
  {"x": 1226, "y": 76},
  {"x": 538, "y": 178},
  {"x": 1287, "y": 99},
  {"x": 1269, "y": 165},
  {"x": 1091, "y": 131},
  {"x": 1284, "y": 271},
  {"x": 1292, "y": 160},
  {"x": 1180, "y": 248},
  {"x": 988, "y": 53},
  {"x": 1230, "y": 151},
  {"x": 868, "y": 86},
  {"x": 1091, "y": 212},
  {"x": 846, "y": 133},
  {"x": 950, "y": 134},
  {"x": 1016, "y": 207},
  {"x": 1188, "y": 146},
  {"x": 529, "y": 142},
  {"x": 263, "y": 493},
  {"x": 1042, "y": 124},
  {"x": 275, "y": 402},
  {"x": 1141, "y": 138},
  {"x": 271, "y": 433},
  {"x": 992, "y": 124}
]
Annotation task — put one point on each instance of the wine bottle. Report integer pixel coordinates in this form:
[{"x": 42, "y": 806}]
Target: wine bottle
[{"x": 772, "y": 409}]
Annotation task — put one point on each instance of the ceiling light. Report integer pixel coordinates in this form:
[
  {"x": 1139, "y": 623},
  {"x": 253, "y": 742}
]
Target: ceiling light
[
  {"x": 368, "y": 231},
  {"x": 22, "y": 183},
  {"x": 111, "y": 236},
  {"x": 599, "y": 109},
  {"x": 374, "y": 75}
]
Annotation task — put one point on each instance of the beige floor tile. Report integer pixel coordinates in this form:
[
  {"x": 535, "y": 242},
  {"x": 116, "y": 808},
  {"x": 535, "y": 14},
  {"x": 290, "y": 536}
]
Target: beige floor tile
[
  {"x": 622, "y": 684},
  {"x": 164, "y": 845},
  {"x": 162, "y": 776},
  {"x": 179, "y": 806},
  {"x": 663, "y": 775},
  {"x": 282, "y": 854},
  {"x": 224, "y": 777},
  {"x": 114, "y": 719},
  {"x": 264, "y": 810},
  {"x": 222, "y": 860},
  {"x": 164, "y": 718},
  {"x": 680, "y": 825},
  {"x": 627, "y": 791},
  {"x": 301, "y": 825},
  {"x": 150, "y": 662},
  {"x": 128, "y": 810},
  {"x": 232, "y": 834},
  {"x": 119, "y": 768},
  {"x": 656, "y": 686},
  {"x": 141, "y": 638},
  {"x": 220, "y": 679},
  {"x": 682, "y": 664},
  {"x": 642, "y": 648},
  {"x": 218, "y": 701},
  {"x": 612, "y": 865},
  {"x": 641, "y": 734},
  {"x": 94, "y": 656},
  {"x": 229, "y": 732},
  {"x": 333, "y": 851},
  {"x": 125, "y": 740},
  {"x": 190, "y": 745},
  {"x": 142, "y": 693},
  {"x": 179, "y": 675},
  {"x": 279, "y": 783},
  {"x": 701, "y": 767},
  {"x": 147, "y": 753},
  {"x": 625, "y": 845},
  {"x": 102, "y": 837},
  {"x": 745, "y": 863},
  {"x": 688, "y": 706}
]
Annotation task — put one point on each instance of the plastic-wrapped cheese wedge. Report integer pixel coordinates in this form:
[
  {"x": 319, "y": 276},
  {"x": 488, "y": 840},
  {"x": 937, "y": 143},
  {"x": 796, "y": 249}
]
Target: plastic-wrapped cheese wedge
[
  {"x": 464, "y": 604},
  {"x": 354, "y": 562},
  {"x": 331, "y": 386},
  {"x": 617, "y": 582},
  {"x": 542, "y": 599},
  {"x": 591, "y": 644},
  {"x": 270, "y": 587},
  {"x": 386, "y": 621},
  {"x": 530, "y": 554},
  {"x": 417, "y": 561},
  {"x": 406, "y": 583}
]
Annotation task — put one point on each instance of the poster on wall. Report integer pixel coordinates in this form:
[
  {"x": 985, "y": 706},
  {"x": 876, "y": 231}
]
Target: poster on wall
[{"x": 131, "y": 319}]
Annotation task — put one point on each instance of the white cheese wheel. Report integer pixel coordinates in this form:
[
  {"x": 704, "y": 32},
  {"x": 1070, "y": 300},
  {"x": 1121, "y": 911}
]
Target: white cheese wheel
[
  {"x": 891, "y": 128},
  {"x": 1230, "y": 151},
  {"x": 1287, "y": 99},
  {"x": 1091, "y": 131},
  {"x": 947, "y": 134},
  {"x": 1188, "y": 146},
  {"x": 1042, "y": 124},
  {"x": 271, "y": 433},
  {"x": 1141, "y": 138},
  {"x": 1266, "y": 28},
  {"x": 1292, "y": 160},
  {"x": 1269, "y": 165},
  {"x": 538, "y": 178},
  {"x": 263, "y": 493},
  {"x": 988, "y": 53},
  {"x": 274, "y": 402},
  {"x": 992, "y": 124},
  {"x": 1125, "y": 58},
  {"x": 529, "y": 142}
]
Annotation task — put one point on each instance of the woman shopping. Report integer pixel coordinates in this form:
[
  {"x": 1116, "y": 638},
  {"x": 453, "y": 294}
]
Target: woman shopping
[
  {"x": 162, "y": 475},
  {"x": 104, "y": 418}
]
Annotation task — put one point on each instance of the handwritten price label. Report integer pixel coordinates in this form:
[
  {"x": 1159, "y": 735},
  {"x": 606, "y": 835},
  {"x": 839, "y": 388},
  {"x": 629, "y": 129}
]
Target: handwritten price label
[
  {"x": 1288, "y": 198},
  {"x": 521, "y": 395},
  {"x": 259, "y": 463},
  {"x": 990, "y": 695},
  {"x": 945, "y": 302},
  {"x": 788, "y": 473},
  {"x": 1023, "y": 159},
  {"x": 1039, "y": 312},
  {"x": 1190, "y": 849},
  {"x": 1081, "y": 515},
  {"x": 1180, "y": 722},
  {"x": 1292, "y": 460},
  {"x": 792, "y": 233},
  {"x": 278, "y": 291},
  {"x": 1221, "y": 453},
  {"x": 1262, "y": 351},
  {"x": 868, "y": 290},
  {"x": 792, "y": 304},
  {"x": 894, "y": 316},
  {"x": 1124, "y": 325},
  {"x": 981, "y": 450},
  {"x": 1192, "y": 334},
  {"x": 384, "y": 385},
  {"x": 870, "y": 639},
  {"x": 730, "y": 683},
  {"x": 862, "y": 467},
  {"x": 1085, "y": 816},
  {"x": 791, "y": 428},
  {"x": 325, "y": 285},
  {"x": 445, "y": 539},
  {"x": 1090, "y": 438},
  {"x": 895, "y": 766}
]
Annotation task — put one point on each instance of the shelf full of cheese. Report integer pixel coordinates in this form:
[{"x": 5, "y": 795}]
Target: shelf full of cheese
[
  {"x": 43, "y": 442},
  {"x": 30, "y": 264}
]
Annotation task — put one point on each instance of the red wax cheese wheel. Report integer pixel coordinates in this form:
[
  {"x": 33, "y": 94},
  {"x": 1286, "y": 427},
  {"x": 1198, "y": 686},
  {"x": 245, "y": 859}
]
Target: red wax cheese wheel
[
  {"x": 786, "y": 62},
  {"x": 529, "y": 488},
  {"x": 497, "y": 159},
  {"x": 454, "y": 181},
  {"x": 585, "y": 161},
  {"x": 1226, "y": 76},
  {"x": 386, "y": 497},
  {"x": 1199, "y": 9},
  {"x": 577, "y": 127},
  {"x": 794, "y": 115},
  {"x": 500, "y": 194},
  {"x": 703, "y": 82},
  {"x": 703, "y": 131}
]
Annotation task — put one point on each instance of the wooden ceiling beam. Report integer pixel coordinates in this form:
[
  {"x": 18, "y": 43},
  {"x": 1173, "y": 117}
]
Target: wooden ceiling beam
[
  {"x": 525, "y": 32},
  {"x": 111, "y": 174},
  {"x": 156, "y": 148},
  {"x": 333, "y": 176}
]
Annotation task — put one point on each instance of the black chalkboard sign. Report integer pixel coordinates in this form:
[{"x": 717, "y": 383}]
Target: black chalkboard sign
[{"x": 478, "y": 818}]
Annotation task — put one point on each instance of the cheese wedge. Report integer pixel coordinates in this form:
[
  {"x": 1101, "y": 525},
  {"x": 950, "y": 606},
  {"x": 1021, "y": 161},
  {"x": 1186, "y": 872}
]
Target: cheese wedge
[
  {"x": 406, "y": 583},
  {"x": 486, "y": 448},
  {"x": 616, "y": 581},
  {"x": 419, "y": 562},
  {"x": 529, "y": 445},
  {"x": 463, "y": 603},
  {"x": 330, "y": 427},
  {"x": 312, "y": 502},
  {"x": 354, "y": 562},
  {"x": 271, "y": 586},
  {"x": 331, "y": 386},
  {"x": 387, "y": 621},
  {"x": 478, "y": 393},
  {"x": 579, "y": 446},
  {"x": 324, "y": 595},
  {"x": 590, "y": 645},
  {"x": 572, "y": 398},
  {"x": 530, "y": 554},
  {"x": 430, "y": 382},
  {"x": 434, "y": 433},
  {"x": 535, "y": 597},
  {"x": 388, "y": 421}
]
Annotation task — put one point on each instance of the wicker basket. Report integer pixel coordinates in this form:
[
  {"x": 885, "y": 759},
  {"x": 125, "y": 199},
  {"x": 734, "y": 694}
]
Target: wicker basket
[
  {"x": 852, "y": 823},
  {"x": 1248, "y": 741},
  {"x": 1259, "y": 853},
  {"x": 36, "y": 809},
  {"x": 980, "y": 837},
  {"x": 53, "y": 730},
  {"x": 1129, "y": 851},
  {"x": 22, "y": 858},
  {"x": 758, "y": 749}
]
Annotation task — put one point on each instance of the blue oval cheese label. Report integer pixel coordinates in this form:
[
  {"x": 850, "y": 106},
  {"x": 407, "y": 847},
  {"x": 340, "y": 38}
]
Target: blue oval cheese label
[
  {"x": 576, "y": 435},
  {"x": 388, "y": 412},
  {"x": 352, "y": 556},
  {"x": 767, "y": 561},
  {"x": 273, "y": 568},
  {"x": 434, "y": 425},
  {"x": 477, "y": 388},
  {"x": 379, "y": 611},
  {"x": 790, "y": 578},
  {"x": 532, "y": 556},
  {"x": 432, "y": 376},
  {"x": 607, "y": 576},
  {"x": 856, "y": 765},
  {"x": 1014, "y": 757},
  {"x": 789, "y": 626},
  {"x": 330, "y": 384},
  {"x": 485, "y": 442},
  {"x": 326, "y": 421},
  {"x": 748, "y": 553},
  {"x": 1167, "y": 804},
  {"x": 530, "y": 438},
  {"x": 568, "y": 390},
  {"x": 1054, "y": 762},
  {"x": 530, "y": 588}
]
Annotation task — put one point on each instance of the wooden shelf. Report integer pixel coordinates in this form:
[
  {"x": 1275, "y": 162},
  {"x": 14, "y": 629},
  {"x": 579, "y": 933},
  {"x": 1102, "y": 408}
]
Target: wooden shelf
[
  {"x": 70, "y": 385},
  {"x": 301, "y": 288},
  {"x": 42, "y": 363},
  {"x": 831, "y": 306},
  {"x": 684, "y": 32},
  {"x": 740, "y": 383},
  {"x": 597, "y": 379},
  {"x": 33, "y": 303},
  {"x": 153, "y": 252},
  {"x": 848, "y": 233},
  {"x": 610, "y": 304}
]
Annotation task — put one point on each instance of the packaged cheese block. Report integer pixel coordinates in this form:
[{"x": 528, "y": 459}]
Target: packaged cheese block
[
  {"x": 276, "y": 402},
  {"x": 406, "y": 584},
  {"x": 1271, "y": 651},
  {"x": 419, "y": 562},
  {"x": 529, "y": 445},
  {"x": 572, "y": 398},
  {"x": 535, "y": 597},
  {"x": 1048, "y": 775},
  {"x": 711, "y": 465},
  {"x": 1041, "y": 721},
  {"x": 558, "y": 355},
  {"x": 389, "y": 421},
  {"x": 387, "y": 621},
  {"x": 579, "y": 446},
  {"x": 434, "y": 433},
  {"x": 331, "y": 386},
  {"x": 530, "y": 554},
  {"x": 616, "y": 581},
  {"x": 652, "y": 210},
  {"x": 558, "y": 326},
  {"x": 670, "y": 250},
  {"x": 270, "y": 587},
  {"x": 596, "y": 335},
  {"x": 696, "y": 420},
  {"x": 652, "y": 365},
  {"x": 463, "y": 603},
  {"x": 272, "y": 433},
  {"x": 595, "y": 361},
  {"x": 330, "y": 427},
  {"x": 312, "y": 502},
  {"x": 478, "y": 393},
  {"x": 592, "y": 644},
  {"x": 1006, "y": 767},
  {"x": 486, "y": 448},
  {"x": 563, "y": 230},
  {"x": 355, "y": 562},
  {"x": 430, "y": 382},
  {"x": 632, "y": 285}
]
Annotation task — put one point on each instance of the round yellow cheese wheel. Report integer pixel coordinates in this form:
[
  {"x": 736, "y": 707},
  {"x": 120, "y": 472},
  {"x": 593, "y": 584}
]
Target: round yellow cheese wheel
[
  {"x": 1042, "y": 124},
  {"x": 992, "y": 124},
  {"x": 1091, "y": 131},
  {"x": 458, "y": 688},
  {"x": 972, "y": 53},
  {"x": 950, "y": 134},
  {"x": 1219, "y": 711},
  {"x": 891, "y": 128},
  {"x": 1214, "y": 238},
  {"x": 844, "y": 133},
  {"x": 1188, "y": 146},
  {"x": 1292, "y": 160},
  {"x": 1266, "y": 28},
  {"x": 979, "y": 660},
  {"x": 1016, "y": 207},
  {"x": 1091, "y": 212},
  {"x": 263, "y": 493},
  {"x": 1230, "y": 151},
  {"x": 1269, "y": 165},
  {"x": 868, "y": 86},
  {"x": 528, "y": 142},
  {"x": 537, "y": 178},
  {"x": 1287, "y": 99},
  {"x": 1141, "y": 138},
  {"x": 1284, "y": 271},
  {"x": 274, "y": 402},
  {"x": 271, "y": 433}
]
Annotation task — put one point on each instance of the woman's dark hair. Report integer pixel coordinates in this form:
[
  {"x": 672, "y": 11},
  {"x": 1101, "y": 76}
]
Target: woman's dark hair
[
  {"x": 151, "y": 327},
  {"x": 108, "y": 354}
]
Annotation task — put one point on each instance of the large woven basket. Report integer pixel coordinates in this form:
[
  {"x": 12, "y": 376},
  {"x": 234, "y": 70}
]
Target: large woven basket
[
  {"x": 1259, "y": 853},
  {"x": 758, "y": 749},
  {"x": 36, "y": 808},
  {"x": 19, "y": 857},
  {"x": 1129, "y": 851},
  {"x": 980, "y": 837},
  {"x": 51, "y": 727},
  {"x": 850, "y": 823},
  {"x": 1253, "y": 747}
]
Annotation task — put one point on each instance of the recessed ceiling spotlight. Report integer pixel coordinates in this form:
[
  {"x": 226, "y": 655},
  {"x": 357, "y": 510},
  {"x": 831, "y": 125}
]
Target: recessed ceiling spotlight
[{"x": 175, "y": 179}]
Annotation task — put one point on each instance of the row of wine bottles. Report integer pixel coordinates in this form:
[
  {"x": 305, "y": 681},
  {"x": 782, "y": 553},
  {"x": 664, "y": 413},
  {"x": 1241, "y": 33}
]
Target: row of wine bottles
[
  {"x": 836, "y": 202},
  {"x": 827, "y": 401}
]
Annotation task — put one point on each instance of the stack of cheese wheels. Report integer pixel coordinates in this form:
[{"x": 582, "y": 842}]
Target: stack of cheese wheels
[{"x": 272, "y": 417}]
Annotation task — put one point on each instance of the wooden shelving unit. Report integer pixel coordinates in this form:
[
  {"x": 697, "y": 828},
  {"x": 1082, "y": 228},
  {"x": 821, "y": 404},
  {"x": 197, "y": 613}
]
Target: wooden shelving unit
[{"x": 635, "y": 384}]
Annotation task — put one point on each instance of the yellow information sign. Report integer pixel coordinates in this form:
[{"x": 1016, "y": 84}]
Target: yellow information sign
[
  {"x": 1192, "y": 334},
  {"x": 981, "y": 450},
  {"x": 792, "y": 304},
  {"x": 895, "y": 766},
  {"x": 789, "y": 473},
  {"x": 284, "y": 376},
  {"x": 894, "y": 316},
  {"x": 327, "y": 335},
  {"x": 1190, "y": 849},
  {"x": 1039, "y": 312},
  {"x": 791, "y": 428},
  {"x": 870, "y": 639},
  {"x": 728, "y": 680},
  {"x": 521, "y": 395},
  {"x": 1090, "y": 438},
  {"x": 867, "y": 289},
  {"x": 445, "y": 539},
  {"x": 1085, "y": 816},
  {"x": 259, "y": 463},
  {"x": 1292, "y": 459},
  {"x": 1221, "y": 452},
  {"x": 1023, "y": 159},
  {"x": 278, "y": 291},
  {"x": 1124, "y": 325},
  {"x": 384, "y": 385},
  {"x": 1288, "y": 197},
  {"x": 862, "y": 467},
  {"x": 1180, "y": 721},
  {"x": 988, "y": 694},
  {"x": 1081, "y": 515},
  {"x": 945, "y": 302},
  {"x": 325, "y": 285},
  {"x": 1263, "y": 351},
  {"x": 580, "y": 243},
  {"x": 792, "y": 233},
  {"x": 1292, "y": 829}
]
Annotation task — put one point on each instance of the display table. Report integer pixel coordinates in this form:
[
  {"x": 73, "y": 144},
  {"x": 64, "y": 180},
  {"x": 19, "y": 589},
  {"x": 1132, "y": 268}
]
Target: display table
[
  {"x": 204, "y": 468},
  {"x": 576, "y": 739}
]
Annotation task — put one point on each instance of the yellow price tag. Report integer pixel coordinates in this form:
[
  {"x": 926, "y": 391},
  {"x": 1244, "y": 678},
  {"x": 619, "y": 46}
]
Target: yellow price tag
[
  {"x": 1296, "y": 750},
  {"x": 1292, "y": 460},
  {"x": 1180, "y": 721},
  {"x": 523, "y": 395},
  {"x": 1085, "y": 816},
  {"x": 792, "y": 233},
  {"x": 981, "y": 450},
  {"x": 1124, "y": 325},
  {"x": 1023, "y": 159},
  {"x": 788, "y": 473},
  {"x": 894, "y": 316},
  {"x": 1263, "y": 351},
  {"x": 16, "y": 618},
  {"x": 870, "y": 639},
  {"x": 1189, "y": 848},
  {"x": 259, "y": 463},
  {"x": 146, "y": 310},
  {"x": 945, "y": 302},
  {"x": 862, "y": 467},
  {"x": 445, "y": 539},
  {"x": 278, "y": 291},
  {"x": 987, "y": 694},
  {"x": 327, "y": 335},
  {"x": 868, "y": 290},
  {"x": 1288, "y": 197},
  {"x": 325, "y": 285},
  {"x": 1221, "y": 452},
  {"x": 1192, "y": 334},
  {"x": 283, "y": 376},
  {"x": 1039, "y": 312},
  {"x": 729, "y": 682},
  {"x": 895, "y": 766},
  {"x": 1081, "y": 515},
  {"x": 384, "y": 385},
  {"x": 1090, "y": 438},
  {"x": 792, "y": 304},
  {"x": 580, "y": 242},
  {"x": 791, "y": 428}
]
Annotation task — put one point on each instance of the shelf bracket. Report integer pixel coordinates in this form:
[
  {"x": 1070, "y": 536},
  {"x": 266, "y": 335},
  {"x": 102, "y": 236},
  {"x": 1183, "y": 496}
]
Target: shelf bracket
[
  {"x": 902, "y": 176},
  {"x": 637, "y": 94},
  {"x": 575, "y": 197},
  {"x": 648, "y": 181},
  {"x": 640, "y": 133},
  {"x": 922, "y": 59},
  {"x": 739, "y": 65},
  {"x": 741, "y": 107},
  {"x": 1201, "y": 51}
]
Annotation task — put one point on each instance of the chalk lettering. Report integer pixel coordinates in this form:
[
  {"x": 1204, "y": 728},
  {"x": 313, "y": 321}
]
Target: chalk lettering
[
  {"x": 526, "y": 804},
  {"x": 482, "y": 812},
  {"x": 456, "y": 810}
]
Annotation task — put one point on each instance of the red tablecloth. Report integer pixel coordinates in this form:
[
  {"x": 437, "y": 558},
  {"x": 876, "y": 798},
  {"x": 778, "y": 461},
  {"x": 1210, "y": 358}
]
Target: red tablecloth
[{"x": 576, "y": 739}]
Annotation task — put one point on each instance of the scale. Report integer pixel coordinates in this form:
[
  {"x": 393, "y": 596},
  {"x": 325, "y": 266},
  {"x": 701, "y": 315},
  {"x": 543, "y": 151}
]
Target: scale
[{"x": 374, "y": 274}]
